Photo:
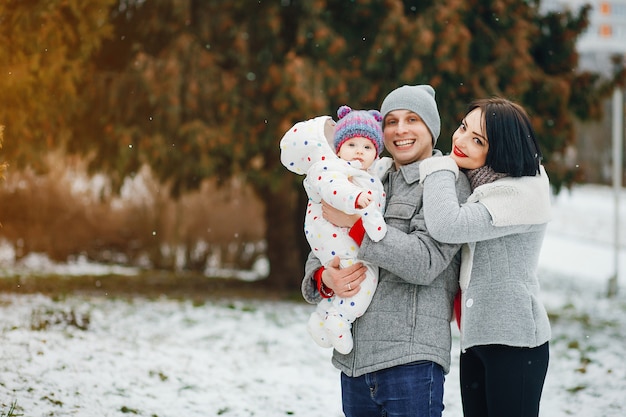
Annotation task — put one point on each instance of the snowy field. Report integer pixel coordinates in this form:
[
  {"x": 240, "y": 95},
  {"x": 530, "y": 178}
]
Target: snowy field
[{"x": 98, "y": 357}]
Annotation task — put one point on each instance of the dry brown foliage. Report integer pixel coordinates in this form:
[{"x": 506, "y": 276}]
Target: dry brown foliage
[{"x": 66, "y": 213}]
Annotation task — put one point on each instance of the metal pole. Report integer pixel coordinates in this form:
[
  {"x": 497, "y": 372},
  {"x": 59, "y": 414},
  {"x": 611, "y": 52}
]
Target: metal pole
[{"x": 618, "y": 118}]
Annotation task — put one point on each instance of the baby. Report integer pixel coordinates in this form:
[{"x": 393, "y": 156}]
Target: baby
[{"x": 346, "y": 176}]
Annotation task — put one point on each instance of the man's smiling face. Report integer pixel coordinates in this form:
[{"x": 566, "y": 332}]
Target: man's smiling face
[{"x": 407, "y": 137}]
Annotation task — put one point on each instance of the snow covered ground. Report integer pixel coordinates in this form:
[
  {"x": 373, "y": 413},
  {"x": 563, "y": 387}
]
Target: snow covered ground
[{"x": 96, "y": 356}]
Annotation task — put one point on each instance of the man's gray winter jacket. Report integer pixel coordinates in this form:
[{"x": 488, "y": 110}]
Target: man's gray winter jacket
[{"x": 408, "y": 319}]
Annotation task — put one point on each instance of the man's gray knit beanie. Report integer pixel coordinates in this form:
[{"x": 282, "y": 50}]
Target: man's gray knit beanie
[{"x": 419, "y": 99}]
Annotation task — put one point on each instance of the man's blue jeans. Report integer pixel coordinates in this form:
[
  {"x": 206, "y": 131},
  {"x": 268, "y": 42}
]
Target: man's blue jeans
[{"x": 414, "y": 390}]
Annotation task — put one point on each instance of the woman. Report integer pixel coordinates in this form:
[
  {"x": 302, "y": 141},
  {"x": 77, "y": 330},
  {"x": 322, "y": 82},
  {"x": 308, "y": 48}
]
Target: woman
[{"x": 504, "y": 327}]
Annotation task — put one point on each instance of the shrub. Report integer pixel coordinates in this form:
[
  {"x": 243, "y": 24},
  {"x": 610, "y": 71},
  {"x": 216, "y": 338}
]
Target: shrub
[{"x": 66, "y": 213}]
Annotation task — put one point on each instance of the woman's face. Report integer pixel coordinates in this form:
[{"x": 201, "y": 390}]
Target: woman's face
[
  {"x": 407, "y": 137},
  {"x": 469, "y": 142}
]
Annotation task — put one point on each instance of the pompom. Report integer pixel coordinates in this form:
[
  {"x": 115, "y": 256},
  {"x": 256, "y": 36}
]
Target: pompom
[
  {"x": 343, "y": 111},
  {"x": 377, "y": 115}
]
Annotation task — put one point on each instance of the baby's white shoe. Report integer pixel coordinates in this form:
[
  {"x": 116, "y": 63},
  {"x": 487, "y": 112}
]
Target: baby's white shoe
[
  {"x": 316, "y": 328},
  {"x": 338, "y": 331}
]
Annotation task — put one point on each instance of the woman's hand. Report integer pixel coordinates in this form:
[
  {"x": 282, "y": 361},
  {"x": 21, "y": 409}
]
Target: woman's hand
[
  {"x": 338, "y": 217},
  {"x": 345, "y": 282}
]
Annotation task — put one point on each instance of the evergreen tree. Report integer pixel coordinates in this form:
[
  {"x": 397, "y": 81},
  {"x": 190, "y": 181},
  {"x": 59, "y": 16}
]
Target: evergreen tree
[
  {"x": 206, "y": 88},
  {"x": 45, "y": 47}
]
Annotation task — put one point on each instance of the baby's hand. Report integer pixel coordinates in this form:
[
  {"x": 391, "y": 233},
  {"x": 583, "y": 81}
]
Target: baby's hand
[{"x": 363, "y": 200}]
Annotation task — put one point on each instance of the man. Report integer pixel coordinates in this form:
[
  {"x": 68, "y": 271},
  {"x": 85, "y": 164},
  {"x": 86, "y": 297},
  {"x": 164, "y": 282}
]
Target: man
[{"x": 402, "y": 343}]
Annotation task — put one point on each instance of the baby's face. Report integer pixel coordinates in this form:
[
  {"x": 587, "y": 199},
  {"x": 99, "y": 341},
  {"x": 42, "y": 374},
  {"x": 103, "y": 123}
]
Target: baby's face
[{"x": 359, "y": 149}]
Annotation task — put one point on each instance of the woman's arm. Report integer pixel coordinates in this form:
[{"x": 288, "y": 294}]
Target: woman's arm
[
  {"x": 408, "y": 250},
  {"x": 449, "y": 221}
]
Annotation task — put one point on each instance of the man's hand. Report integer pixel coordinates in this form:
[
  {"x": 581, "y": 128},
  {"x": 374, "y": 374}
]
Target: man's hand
[
  {"x": 338, "y": 217},
  {"x": 345, "y": 282}
]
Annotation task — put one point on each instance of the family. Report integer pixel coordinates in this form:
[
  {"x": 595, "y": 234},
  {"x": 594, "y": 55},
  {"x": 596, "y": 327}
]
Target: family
[{"x": 403, "y": 246}]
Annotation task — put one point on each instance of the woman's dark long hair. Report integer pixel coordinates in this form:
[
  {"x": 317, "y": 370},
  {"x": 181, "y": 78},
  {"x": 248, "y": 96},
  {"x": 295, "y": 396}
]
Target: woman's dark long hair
[{"x": 513, "y": 146}]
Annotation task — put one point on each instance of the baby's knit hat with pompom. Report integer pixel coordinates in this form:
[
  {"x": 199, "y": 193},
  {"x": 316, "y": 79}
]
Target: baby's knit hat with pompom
[{"x": 353, "y": 123}]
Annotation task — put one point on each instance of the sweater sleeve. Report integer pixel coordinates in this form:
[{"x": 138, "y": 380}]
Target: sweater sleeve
[
  {"x": 357, "y": 232},
  {"x": 331, "y": 180},
  {"x": 449, "y": 221},
  {"x": 309, "y": 285},
  {"x": 408, "y": 250}
]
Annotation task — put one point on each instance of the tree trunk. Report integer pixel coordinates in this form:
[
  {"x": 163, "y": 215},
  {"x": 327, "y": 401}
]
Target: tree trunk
[{"x": 286, "y": 246}]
